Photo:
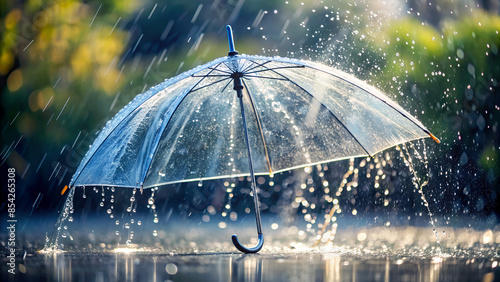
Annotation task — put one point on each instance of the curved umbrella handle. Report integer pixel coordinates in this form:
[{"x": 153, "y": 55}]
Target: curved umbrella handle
[{"x": 246, "y": 250}]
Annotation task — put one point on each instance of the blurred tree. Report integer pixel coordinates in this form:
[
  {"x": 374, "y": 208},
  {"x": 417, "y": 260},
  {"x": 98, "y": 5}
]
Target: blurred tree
[
  {"x": 58, "y": 76},
  {"x": 454, "y": 73}
]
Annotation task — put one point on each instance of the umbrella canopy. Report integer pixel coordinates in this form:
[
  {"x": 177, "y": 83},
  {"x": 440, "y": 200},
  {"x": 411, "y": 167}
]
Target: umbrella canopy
[{"x": 190, "y": 127}]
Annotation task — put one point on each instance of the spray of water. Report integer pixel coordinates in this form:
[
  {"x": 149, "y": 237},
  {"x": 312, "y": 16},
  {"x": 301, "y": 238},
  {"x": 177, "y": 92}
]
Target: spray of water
[{"x": 418, "y": 181}]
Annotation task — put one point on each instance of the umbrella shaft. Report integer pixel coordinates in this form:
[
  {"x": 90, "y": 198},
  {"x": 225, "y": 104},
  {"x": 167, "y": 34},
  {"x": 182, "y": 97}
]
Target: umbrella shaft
[{"x": 252, "y": 175}]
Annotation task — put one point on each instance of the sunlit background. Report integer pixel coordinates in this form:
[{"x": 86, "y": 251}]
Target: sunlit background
[{"x": 66, "y": 67}]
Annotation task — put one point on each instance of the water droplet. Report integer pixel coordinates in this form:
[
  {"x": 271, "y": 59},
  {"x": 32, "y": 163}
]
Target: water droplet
[
  {"x": 151, "y": 201},
  {"x": 171, "y": 269},
  {"x": 109, "y": 211}
]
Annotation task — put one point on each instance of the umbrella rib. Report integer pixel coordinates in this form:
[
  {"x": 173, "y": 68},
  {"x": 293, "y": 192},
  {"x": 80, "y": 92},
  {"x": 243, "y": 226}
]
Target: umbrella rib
[
  {"x": 266, "y": 77},
  {"x": 167, "y": 121},
  {"x": 201, "y": 87},
  {"x": 288, "y": 67},
  {"x": 244, "y": 64},
  {"x": 228, "y": 67},
  {"x": 257, "y": 65},
  {"x": 226, "y": 86},
  {"x": 215, "y": 69},
  {"x": 343, "y": 125},
  {"x": 252, "y": 63},
  {"x": 259, "y": 126},
  {"x": 212, "y": 75}
]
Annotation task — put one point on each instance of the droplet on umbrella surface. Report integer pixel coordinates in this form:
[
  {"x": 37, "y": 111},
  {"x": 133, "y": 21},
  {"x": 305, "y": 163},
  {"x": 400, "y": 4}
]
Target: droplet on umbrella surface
[
  {"x": 481, "y": 123},
  {"x": 464, "y": 159},
  {"x": 171, "y": 269}
]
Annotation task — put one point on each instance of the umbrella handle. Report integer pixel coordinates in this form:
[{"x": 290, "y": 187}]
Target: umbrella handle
[
  {"x": 238, "y": 87},
  {"x": 246, "y": 250}
]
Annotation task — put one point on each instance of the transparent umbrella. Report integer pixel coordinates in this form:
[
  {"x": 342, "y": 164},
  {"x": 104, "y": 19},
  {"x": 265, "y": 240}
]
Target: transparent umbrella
[{"x": 243, "y": 115}]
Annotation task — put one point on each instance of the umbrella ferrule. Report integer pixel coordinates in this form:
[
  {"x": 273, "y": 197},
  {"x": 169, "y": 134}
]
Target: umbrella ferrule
[{"x": 230, "y": 40}]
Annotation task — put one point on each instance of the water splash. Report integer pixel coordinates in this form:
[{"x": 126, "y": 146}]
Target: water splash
[
  {"x": 418, "y": 181},
  {"x": 53, "y": 245},
  {"x": 323, "y": 235}
]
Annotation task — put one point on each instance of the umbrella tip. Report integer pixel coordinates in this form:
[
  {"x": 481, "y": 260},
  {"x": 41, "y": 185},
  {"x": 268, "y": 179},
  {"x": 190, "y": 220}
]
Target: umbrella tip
[
  {"x": 232, "y": 51},
  {"x": 434, "y": 138}
]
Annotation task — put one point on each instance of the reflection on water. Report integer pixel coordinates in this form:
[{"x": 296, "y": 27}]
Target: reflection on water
[{"x": 238, "y": 267}]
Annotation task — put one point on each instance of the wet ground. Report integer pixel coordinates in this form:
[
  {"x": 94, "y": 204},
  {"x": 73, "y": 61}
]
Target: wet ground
[
  {"x": 298, "y": 266},
  {"x": 198, "y": 252},
  {"x": 364, "y": 254}
]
